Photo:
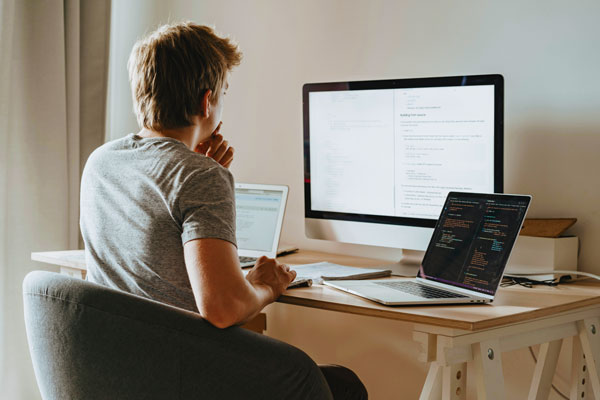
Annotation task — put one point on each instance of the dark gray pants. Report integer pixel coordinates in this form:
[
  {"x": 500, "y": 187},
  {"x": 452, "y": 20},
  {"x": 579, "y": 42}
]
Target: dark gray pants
[{"x": 343, "y": 383}]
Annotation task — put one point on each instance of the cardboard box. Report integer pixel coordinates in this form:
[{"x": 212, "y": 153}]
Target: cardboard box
[{"x": 543, "y": 254}]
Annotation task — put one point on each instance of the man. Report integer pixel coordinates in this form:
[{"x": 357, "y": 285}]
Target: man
[{"x": 158, "y": 207}]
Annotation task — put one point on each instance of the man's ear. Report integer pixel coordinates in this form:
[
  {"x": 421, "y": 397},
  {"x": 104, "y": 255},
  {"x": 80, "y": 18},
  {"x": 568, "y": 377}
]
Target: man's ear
[{"x": 205, "y": 104}]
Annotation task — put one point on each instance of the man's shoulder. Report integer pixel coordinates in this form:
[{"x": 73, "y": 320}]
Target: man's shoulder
[
  {"x": 107, "y": 149},
  {"x": 166, "y": 159},
  {"x": 161, "y": 150}
]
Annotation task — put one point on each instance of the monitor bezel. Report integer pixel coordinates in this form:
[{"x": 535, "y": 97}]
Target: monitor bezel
[{"x": 496, "y": 80}]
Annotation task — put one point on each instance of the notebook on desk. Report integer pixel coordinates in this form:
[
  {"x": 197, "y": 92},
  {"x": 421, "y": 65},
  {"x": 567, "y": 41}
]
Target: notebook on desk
[
  {"x": 466, "y": 256},
  {"x": 259, "y": 218}
]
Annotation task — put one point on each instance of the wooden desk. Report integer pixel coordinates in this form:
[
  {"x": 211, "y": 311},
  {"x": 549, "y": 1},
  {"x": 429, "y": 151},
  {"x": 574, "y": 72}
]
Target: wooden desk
[{"x": 450, "y": 336}]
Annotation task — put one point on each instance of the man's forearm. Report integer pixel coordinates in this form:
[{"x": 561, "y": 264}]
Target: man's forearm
[
  {"x": 264, "y": 297},
  {"x": 236, "y": 308}
]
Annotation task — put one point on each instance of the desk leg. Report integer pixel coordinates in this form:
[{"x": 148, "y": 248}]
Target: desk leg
[
  {"x": 544, "y": 370},
  {"x": 488, "y": 370},
  {"x": 454, "y": 382},
  {"x": 579, "y": 373},
  {"x": 258, "y": 324},
  {"x": 589, "y": 335},
  {"x": 432, "y": 390},
  {"x": 445, "y": 382}
]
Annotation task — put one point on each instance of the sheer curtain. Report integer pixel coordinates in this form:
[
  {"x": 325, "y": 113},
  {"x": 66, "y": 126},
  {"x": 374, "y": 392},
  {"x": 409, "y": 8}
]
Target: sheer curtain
[{"x": 53, "y": 72}]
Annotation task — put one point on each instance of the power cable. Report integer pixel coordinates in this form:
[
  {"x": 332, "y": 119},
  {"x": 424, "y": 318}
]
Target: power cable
[{"x": 557, "y": 271}]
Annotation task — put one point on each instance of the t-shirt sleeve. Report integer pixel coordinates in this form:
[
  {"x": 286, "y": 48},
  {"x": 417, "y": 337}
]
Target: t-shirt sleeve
[{"x": 207, "y": 205}]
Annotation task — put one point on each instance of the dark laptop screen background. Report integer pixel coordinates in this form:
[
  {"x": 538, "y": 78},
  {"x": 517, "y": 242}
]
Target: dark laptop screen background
[{"x": 473, "y": 239}]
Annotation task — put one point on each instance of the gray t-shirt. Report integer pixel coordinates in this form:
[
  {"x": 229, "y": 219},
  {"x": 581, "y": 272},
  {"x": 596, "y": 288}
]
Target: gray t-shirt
[{"x": 141, "y": 200}]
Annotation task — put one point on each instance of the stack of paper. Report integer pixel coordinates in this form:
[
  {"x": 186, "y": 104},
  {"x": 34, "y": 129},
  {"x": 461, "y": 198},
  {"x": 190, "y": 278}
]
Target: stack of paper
[{"x": 326, "y": 271}]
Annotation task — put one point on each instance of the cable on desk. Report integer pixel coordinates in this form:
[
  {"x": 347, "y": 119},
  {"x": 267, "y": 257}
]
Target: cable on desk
[
  {"x": 526, "y": 282},
  {"x": 558, "y": 271}
]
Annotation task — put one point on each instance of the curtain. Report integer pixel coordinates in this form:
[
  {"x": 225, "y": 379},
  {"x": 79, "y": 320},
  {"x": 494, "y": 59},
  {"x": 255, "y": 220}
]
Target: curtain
[{"x": 53, "y": 72}]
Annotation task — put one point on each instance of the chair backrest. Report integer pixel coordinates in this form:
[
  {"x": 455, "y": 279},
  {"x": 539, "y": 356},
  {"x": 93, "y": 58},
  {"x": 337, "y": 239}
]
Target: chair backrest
[{"x": 92, "y": 342}]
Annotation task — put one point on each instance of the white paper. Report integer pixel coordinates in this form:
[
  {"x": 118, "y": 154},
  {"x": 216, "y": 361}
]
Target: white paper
[{"x": 316, "y": 271}]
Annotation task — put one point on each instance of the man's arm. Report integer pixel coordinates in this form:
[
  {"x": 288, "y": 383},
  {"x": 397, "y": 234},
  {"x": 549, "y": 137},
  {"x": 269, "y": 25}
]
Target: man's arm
[{"x": 224, "y": 297}]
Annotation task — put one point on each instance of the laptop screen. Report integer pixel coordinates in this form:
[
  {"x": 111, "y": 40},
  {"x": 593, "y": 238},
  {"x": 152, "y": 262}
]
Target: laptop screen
[
  {"x": 473, "y": 239},
  {"x": 257, "y": 218}
]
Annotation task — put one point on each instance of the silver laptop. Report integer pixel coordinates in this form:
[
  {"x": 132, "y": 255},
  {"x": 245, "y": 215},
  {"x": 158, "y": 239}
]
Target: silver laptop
[
  {"x": 259, "y": 218},
  {"x": 466, "y": 256}
]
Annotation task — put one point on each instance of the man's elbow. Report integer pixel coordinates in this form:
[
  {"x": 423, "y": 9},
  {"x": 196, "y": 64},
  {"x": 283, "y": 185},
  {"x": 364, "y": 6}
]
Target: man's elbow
[
  {"x": 221, "y": 322},
  {"x": 220, "y": 316}
]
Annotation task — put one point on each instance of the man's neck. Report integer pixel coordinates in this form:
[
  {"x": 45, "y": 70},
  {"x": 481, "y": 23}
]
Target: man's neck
[{"x": 185, "y": 135}]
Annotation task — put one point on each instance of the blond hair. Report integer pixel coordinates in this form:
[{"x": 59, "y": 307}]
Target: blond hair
[{"x": 172, "y": 68}]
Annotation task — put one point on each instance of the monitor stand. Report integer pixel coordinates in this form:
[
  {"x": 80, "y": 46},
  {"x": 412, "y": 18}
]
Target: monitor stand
[{"x": 408, "y": 265}]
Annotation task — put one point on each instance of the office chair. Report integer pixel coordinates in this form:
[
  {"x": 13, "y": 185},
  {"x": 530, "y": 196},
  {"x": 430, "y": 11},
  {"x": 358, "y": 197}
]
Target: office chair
[{"x": 91, "y": 342}]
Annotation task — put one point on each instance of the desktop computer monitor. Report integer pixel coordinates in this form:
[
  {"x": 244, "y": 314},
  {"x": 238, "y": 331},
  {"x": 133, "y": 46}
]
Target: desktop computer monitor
[{"x": 381, "y": 156}]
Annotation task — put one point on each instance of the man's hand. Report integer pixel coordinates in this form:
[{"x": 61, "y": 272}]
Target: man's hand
[
  {"x": 271, "y": 273},
  {"x": 217, "y": 148}
]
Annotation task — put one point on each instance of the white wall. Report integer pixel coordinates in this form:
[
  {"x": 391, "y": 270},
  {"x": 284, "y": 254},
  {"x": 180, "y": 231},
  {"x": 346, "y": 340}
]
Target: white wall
[{"x": 547, "y": 52}]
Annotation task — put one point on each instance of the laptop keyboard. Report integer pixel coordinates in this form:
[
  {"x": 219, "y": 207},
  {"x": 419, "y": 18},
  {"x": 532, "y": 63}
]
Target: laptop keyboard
[
  {"x": 417, "y": 289},
  {"x": 247, "y": 262}
]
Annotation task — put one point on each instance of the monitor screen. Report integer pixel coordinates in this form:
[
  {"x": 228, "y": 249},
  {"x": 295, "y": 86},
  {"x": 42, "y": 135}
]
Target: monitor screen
[{"x": 389, "y": 152}]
